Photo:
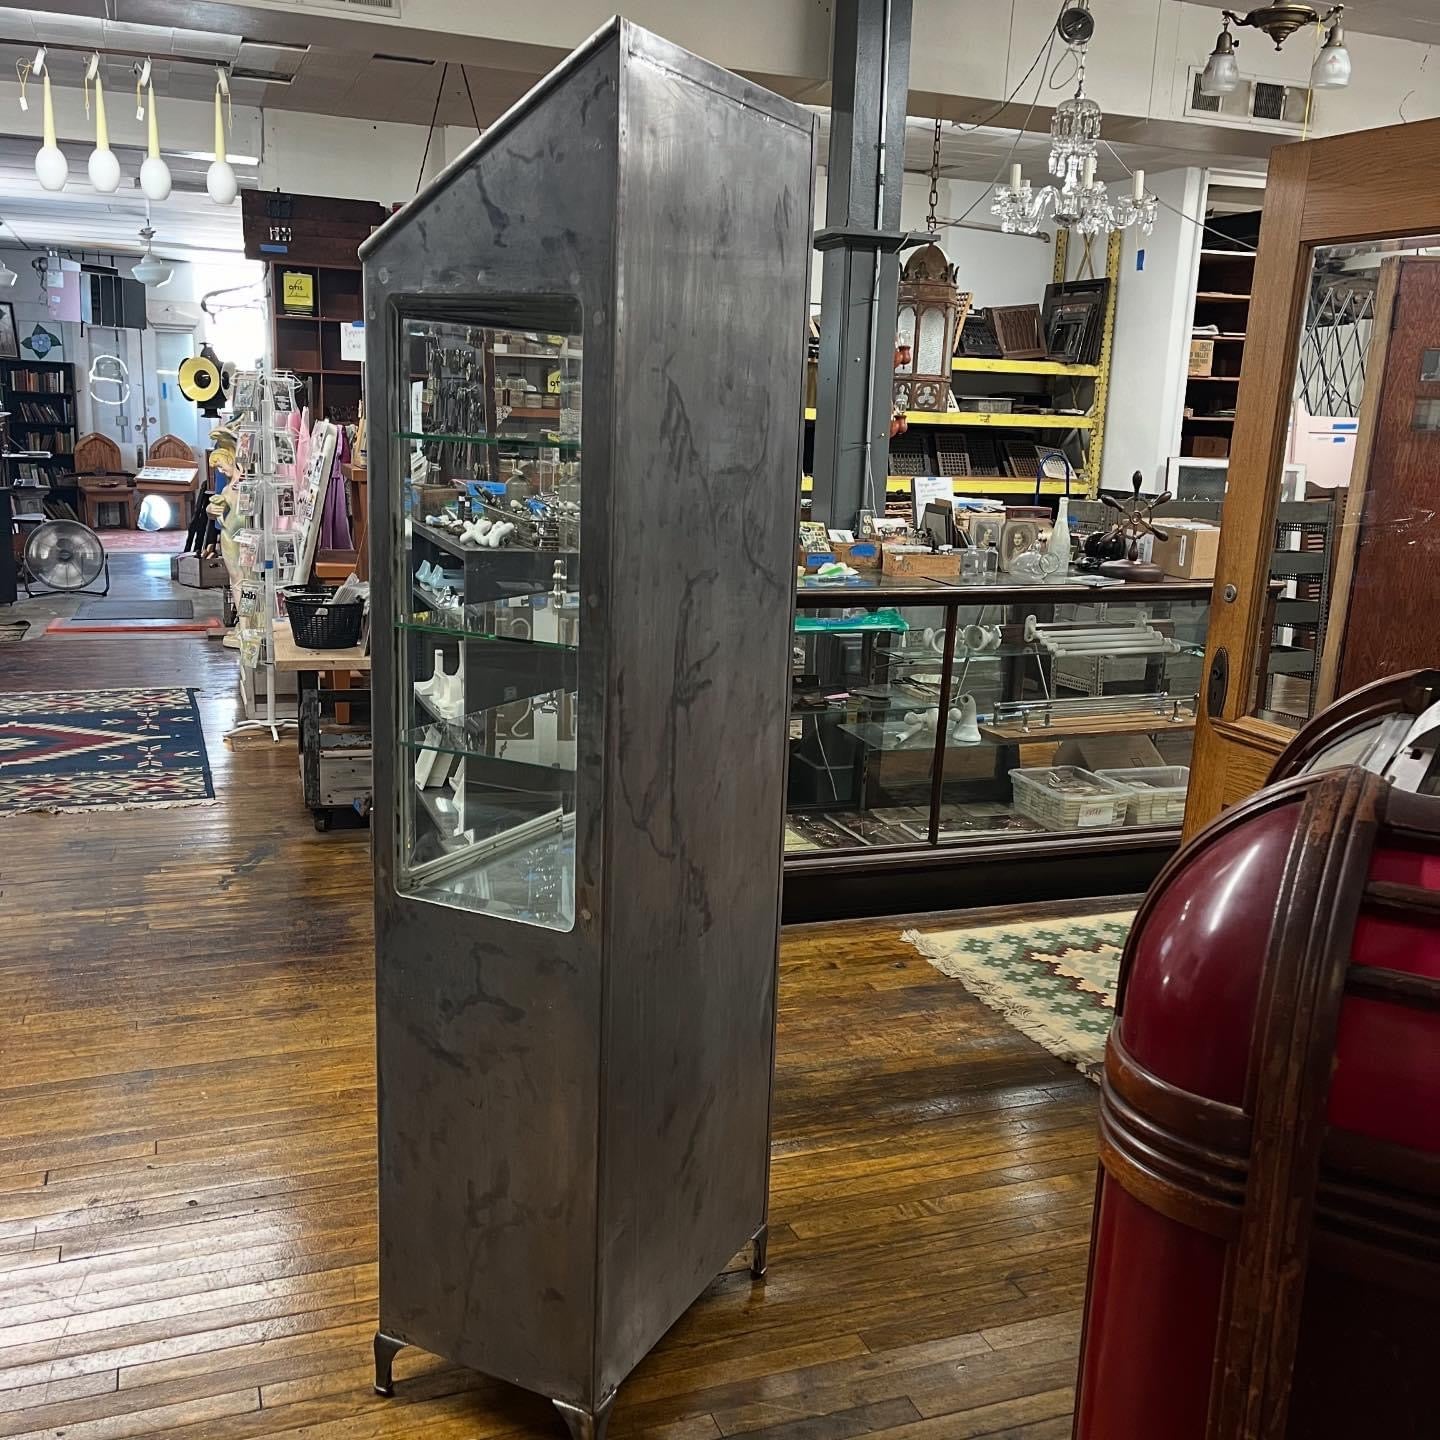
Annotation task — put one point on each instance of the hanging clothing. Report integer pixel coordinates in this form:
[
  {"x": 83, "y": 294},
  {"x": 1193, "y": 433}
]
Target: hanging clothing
[{"x": 335, "y": 522}]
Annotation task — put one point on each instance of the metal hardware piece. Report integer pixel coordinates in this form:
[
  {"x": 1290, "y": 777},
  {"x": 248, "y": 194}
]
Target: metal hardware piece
[{"x": 1218, "y": 685}]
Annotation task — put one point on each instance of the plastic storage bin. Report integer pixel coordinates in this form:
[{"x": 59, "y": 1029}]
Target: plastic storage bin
[
  {"x": 1156, "y": 793},
  {"x": 1064, "y": 797}
]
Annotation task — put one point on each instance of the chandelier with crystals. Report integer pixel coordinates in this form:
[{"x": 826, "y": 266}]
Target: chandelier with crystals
[{"x": 1078, "y": 201}]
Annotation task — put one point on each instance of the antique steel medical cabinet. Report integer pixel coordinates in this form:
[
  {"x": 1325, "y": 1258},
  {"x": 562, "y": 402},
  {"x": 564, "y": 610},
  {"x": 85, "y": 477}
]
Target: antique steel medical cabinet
[{"x": 585, "y": 356}]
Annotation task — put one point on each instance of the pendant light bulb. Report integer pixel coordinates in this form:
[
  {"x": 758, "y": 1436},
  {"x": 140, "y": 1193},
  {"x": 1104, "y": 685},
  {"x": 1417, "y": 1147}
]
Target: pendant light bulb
[
  {"x": 1332, "y": 64},
  {"x": 1221, "y": 75},
  {"x": 104, "y": 168},
  {"x": 154, "y": 172},
  {"x": 51, "y": 167},
  {"x": 150, "y": 270},
  {"x": 220, "y": 181}
]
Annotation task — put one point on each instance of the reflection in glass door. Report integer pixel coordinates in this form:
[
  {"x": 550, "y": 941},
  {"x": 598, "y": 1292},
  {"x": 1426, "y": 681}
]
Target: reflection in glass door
[{"x": 178, "y": 416}]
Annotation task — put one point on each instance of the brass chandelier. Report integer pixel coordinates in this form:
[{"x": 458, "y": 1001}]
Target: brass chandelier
[{"x": 1332, "y": 66}]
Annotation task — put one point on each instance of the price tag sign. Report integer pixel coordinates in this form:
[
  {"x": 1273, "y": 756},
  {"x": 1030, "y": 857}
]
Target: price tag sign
[
  {"x": 552, "y": 382},
  {"x": 1095, "y": 812}
]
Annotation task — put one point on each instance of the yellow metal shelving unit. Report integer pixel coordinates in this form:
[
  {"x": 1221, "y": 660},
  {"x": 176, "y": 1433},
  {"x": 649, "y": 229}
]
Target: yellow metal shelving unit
[{"x": 1091, "y": 425}]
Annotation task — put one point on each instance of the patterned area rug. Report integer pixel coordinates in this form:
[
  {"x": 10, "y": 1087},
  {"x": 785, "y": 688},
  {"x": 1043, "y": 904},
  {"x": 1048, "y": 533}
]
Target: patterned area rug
[
  {"x": 1053, "y": 980},
  {"x": 102, "y": 750}
]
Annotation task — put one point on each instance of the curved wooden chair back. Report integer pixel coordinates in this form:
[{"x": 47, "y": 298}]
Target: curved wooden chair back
[
  {"x": 97, "y": 454},
  {"x": 171, "y": 447}
]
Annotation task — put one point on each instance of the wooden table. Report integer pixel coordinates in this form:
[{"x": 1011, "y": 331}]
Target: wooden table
[{"x": 308, "y": 665}]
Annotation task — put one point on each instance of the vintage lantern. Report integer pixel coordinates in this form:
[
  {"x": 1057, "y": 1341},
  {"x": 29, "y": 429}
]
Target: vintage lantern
[
  {"x": 932, "y": 314},
  {"x": 1265, "y": 1256}
]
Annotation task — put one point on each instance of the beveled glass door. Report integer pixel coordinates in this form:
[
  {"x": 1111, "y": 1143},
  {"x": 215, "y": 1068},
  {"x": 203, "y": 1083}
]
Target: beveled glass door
[{"x": 1341, "y": 377}]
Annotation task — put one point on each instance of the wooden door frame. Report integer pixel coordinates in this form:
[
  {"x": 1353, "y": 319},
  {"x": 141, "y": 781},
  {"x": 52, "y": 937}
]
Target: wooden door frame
[{"x": 1369, "y": 185}]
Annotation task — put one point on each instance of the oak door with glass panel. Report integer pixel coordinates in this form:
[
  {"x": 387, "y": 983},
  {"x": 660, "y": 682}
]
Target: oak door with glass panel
[{"x": 1348, "y": 248}]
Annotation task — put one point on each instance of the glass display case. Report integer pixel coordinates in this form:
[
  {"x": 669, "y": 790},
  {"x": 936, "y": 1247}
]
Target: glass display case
[
  {"x": 929, "y": 717},
  {"x": 489, "y": 610}
]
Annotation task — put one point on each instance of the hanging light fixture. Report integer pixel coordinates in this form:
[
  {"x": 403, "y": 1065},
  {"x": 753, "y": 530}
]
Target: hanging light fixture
[
  {"x": 149, "y": 269},
  {"x": 220, "y": 181},
  {"x": 1080, "y": 201},
  {"x": 1221, "y": 75},
  {"x": 103, "y": 166},
  {"x": 1280, "y": 22},
  {"x": 7, "y": 277},
  {"x": 1332, "y": 64},
  {"x": 154, "y": 172},
  {"x": 51, "y": 167}
]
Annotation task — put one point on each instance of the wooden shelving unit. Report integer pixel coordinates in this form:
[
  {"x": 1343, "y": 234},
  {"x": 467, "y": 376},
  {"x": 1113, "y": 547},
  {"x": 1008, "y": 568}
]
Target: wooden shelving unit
[
  {"x": 309, "y": 344},
  {"x": 318, "y": 237},
  {"x": 42, "y": 417},
  {"x": 1222, "y": 299}
]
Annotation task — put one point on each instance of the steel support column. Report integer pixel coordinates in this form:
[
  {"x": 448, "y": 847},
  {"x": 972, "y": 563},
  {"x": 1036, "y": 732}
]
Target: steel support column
[{"x": 870, "y": 78}]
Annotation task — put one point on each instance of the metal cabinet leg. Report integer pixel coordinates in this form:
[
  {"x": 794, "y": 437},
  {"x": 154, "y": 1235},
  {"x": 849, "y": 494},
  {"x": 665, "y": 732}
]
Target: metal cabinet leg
[
  {"x": 586, "y": 1424},
  {"x": 386, "y": 1348},
  {"x": 759, "y": 1248}
]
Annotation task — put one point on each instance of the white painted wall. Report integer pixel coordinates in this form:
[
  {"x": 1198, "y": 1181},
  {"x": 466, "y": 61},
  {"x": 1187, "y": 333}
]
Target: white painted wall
[
  {"x": 129, "y": 423},
  {"x": 1153, "y": 308},
  {"x": 998, "y": 269}
]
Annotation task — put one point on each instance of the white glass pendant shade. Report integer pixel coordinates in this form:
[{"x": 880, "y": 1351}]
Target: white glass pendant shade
[
  {"x": 7, "y": 277},
  {"x": 220, "y": 182},
  {"x": 154, "y": 172},
  {"x": 51, "y": 167},
  {"x": 1221, "y": 75},
  {"x": 103, "y": 166},
  {"x": 1332, "y": 64}
]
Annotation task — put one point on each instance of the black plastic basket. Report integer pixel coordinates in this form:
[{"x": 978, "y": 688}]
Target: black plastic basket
[{"x": 319, "y": 622}]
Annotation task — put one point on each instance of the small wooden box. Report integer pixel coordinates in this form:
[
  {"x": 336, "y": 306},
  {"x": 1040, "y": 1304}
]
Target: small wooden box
[
  {"x": 1212, "y": 447},
  {"x": 921, "y": 564}
]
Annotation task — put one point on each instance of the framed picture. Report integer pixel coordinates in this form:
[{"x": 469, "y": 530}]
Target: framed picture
[{"x": 9, "y": 340}]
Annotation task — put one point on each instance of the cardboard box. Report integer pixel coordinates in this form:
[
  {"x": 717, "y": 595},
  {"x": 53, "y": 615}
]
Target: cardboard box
[
  {"x": 1212, "y": 447},
  {"x": 1202, "y": 357},
  {"x": 1190, "y": 550}
]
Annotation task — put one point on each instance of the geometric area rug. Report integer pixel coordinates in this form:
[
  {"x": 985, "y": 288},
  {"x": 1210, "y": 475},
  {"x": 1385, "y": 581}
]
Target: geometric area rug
[
  {"x": 127, "y": 749},
  {"x": 1053, "y": 980}
]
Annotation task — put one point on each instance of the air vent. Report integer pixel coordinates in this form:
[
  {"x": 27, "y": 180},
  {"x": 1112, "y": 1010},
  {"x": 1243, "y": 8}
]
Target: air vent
[
  {"x": 1275, "y": 106},
  {"x": 1200, "y": 102},
  {"x": 383, "y": 7}
]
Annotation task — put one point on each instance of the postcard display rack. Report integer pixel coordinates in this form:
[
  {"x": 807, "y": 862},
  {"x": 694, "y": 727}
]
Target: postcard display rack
[
  {"x": 281, "y": 510},
  {"x": 576, "y": 928}
]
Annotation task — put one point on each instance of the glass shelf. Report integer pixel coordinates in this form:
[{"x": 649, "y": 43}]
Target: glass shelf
[
  {"x": 535, "y": 442},
  {"x": 875, "y": 621},
  {"x": 481, "y": 622},
  {"x": 535, "y": 735},
  {"x": 525, "y": 874}
]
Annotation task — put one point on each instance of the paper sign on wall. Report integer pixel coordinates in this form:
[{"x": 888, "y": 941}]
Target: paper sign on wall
[
  {"x": 925, "y": 488},
  {"x": 352, "y": 340}
]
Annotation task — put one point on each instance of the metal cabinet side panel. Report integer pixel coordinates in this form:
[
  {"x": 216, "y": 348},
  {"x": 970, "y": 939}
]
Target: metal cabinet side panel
[
  {"x": 488, "y": 1031},
  {"x": 713, "y": 258}
]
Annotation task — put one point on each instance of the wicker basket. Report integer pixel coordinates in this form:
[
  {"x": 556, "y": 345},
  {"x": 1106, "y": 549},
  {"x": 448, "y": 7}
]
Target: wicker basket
[
  {"x": 319, "y": 622},
  {"x": 1067, "y": 798},
  {"x": 1156, "y": 793}
]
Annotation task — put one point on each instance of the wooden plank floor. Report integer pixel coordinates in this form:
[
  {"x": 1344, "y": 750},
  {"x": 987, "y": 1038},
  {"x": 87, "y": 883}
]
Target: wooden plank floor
[{"x": 187, "y": 1178}]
